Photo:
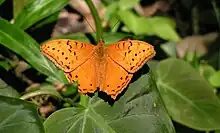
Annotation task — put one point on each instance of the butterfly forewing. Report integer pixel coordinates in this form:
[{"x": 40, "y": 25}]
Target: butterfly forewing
[
  {"x": 131, "y": 54},
  {"x": 67, "y": 54}
]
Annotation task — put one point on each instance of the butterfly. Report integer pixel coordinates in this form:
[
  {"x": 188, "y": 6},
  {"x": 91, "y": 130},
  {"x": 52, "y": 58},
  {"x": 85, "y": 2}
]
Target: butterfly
[{"x": 107, "y": 68}]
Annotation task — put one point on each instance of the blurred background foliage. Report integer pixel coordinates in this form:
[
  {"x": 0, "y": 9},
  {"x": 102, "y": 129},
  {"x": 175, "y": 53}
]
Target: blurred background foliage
[{"x": 182, "y": 85}]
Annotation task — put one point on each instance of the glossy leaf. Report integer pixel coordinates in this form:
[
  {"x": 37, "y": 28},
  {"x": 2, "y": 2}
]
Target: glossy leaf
[
  {"x": 21, "y": 43},
  {"x": 188, "y": 97},
  {"x": 36, "y": 10},
  {"x": 18, "y": 116},
  {"x": 139, "y": 110}
]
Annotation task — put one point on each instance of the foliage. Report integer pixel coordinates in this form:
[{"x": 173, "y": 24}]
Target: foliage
[{"x": 179, "y": 88}]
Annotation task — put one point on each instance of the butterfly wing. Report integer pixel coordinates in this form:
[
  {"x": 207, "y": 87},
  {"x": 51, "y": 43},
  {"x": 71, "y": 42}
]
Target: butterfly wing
[
  {"x": 85, "y": 75},
  {"x": 67, "y": 54},
  {"x": 115, "y": 80},
  {"x": 131, "y": 54}
]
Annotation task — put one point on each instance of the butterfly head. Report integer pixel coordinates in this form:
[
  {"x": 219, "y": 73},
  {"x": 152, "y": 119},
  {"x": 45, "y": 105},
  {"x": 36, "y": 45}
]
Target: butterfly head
[{"x": 101, "y": 43}]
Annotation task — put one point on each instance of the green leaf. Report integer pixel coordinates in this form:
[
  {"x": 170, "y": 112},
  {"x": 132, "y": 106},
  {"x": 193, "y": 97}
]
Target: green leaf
[
  {"x": 206, "y": 70},
  {"x": 18, "y": 6},
  {"x": 164, "y": 27},
  {"x": 44, "y": 89},
  {"x": 108, "y": 37},
  {"x": 215, "y": 79},
  {"x": 169, "y": 48},
  {"x": 21, "y": 43},
  {"x": 188, "y": 97},
  {"x": 18, "y": 116},
  {"x": 5, "y": 64},
  {"x": 2, "y": 1},
  {"x": 160, "y": 26},
  {"x": 139, "y": 110},
  {"x": 127, "y": 4},
  {"x": 111, "y": 16},
  {"x": 47, "y": 20},
  {"x": 36, "y": 10},
  {"x": 6, "y": 90}
]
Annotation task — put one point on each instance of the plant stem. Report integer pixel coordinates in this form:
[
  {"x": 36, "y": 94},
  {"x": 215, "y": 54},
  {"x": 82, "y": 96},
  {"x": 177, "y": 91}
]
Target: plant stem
[
  {"x": 96, "y": 19},
  {"x": 195, "y": 17}
]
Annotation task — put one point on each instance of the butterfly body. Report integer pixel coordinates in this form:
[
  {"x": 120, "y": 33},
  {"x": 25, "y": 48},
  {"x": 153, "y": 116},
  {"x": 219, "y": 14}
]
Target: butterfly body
[{"x": 108, "y": 68}]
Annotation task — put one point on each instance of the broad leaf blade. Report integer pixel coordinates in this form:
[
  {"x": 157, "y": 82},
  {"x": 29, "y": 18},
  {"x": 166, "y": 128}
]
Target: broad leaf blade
[
  {"x": 36, "y": 10},
  {"x": 160, "y": 26},
  {"x": 18, "y": 116},
  {"x": 138, "y": 110},
  {"x": 188, "y": 94}
]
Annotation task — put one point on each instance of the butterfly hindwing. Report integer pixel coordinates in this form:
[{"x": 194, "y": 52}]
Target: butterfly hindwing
[
  {"x": 131, "y": 54},
  {"x": 67, "y": 54},
  {"x": 115, "y": 80}
]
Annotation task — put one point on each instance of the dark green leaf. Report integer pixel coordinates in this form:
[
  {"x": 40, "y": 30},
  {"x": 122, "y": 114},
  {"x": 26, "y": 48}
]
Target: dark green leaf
[
  {"x": 6, "y": 90},
  {"x": 18, "y": 41},
  {"x": 1, "y": 1},
  {"x": 36, "y": 10},
  {"x": 139, "y": 110},
  {"x": 18, "y": 116},
  {"x": 5, "y": 64},
  {"x": 189, "y": 98}
]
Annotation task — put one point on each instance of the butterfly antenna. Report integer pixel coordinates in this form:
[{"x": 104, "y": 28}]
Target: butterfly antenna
[
  {"x": 89, "y": 24},
  {"x": 115, "y": 24}
]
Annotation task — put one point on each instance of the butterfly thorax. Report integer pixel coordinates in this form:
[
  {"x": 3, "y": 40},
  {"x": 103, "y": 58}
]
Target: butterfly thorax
[
  {"x": 101, "y": 55},
  {"x": 100, "y": 50}
]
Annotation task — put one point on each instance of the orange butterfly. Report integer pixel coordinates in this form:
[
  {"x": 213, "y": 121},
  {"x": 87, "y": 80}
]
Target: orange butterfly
[{"x": 108, "y": 68}]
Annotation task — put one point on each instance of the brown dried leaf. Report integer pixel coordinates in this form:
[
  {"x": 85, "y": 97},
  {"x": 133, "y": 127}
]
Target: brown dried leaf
[
  {"x": 162, "y": 6},
  {"x": 196, "y": 43}
]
